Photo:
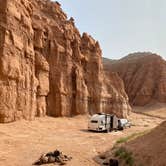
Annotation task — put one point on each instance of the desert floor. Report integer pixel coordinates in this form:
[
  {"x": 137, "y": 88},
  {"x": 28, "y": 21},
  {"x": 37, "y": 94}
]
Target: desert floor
[{"x": 22, "y": 142}]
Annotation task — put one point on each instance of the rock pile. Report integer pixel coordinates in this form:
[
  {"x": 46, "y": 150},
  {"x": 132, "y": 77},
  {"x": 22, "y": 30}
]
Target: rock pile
[
  {"x": 109, "y": 161},
  {"x": 53, "y": 157}
]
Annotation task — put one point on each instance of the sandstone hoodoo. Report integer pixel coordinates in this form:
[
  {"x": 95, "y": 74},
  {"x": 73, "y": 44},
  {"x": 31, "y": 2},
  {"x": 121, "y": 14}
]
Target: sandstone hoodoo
[
  {"x": 144, "y": 76},
  {"x": 47, "y": 67}
]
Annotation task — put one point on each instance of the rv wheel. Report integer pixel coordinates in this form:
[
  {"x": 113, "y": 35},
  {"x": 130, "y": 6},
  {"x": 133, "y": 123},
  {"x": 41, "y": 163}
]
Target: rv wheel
[{"x": 122, "y": 128}]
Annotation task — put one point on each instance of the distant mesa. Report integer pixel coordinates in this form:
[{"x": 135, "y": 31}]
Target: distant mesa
[{"x": 144, "y": 76}]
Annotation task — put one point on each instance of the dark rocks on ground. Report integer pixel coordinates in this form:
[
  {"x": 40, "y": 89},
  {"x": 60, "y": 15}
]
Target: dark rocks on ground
[
  {"x": 53, "y": 157},
  {"x": 113, "y": 162},
  {"x": 102, "y": 157}
]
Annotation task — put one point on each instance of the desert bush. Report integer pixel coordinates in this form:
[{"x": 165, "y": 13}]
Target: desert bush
[{"x": 124, "y": 155}]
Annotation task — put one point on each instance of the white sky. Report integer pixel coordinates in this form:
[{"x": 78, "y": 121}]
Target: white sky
[{"x": 121, "y": 26}]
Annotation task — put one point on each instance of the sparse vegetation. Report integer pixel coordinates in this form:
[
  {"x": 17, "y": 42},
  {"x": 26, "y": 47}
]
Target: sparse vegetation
[
  {"x": 131, "y": 137},
  {"x": 123, "y": 154}
]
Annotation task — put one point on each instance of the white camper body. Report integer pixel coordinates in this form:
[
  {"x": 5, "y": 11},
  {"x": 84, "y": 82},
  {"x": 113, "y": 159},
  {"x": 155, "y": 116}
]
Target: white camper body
[
  {"x": 103, "y": 122},
  {"x": 123, "y": 123}
]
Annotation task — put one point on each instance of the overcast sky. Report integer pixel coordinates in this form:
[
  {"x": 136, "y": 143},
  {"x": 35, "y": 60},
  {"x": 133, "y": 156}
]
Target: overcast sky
[{"x": 121, "y": 26}]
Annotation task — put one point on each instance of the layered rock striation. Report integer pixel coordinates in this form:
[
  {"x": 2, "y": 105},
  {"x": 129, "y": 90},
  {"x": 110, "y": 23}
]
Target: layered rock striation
[
  {"x": 47, "y": 67},
  {"x": 144, "y": 76}
]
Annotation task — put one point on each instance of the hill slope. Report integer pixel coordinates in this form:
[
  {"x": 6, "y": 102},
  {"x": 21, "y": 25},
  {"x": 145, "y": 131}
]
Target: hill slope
[
  {"x": 144, "y": 76},
  {"x": 150, "y": 149}
]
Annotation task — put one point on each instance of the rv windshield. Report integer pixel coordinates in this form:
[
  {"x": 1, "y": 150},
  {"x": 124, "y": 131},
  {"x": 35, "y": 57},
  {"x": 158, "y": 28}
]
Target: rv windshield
[{"x": 94, "y": 121}]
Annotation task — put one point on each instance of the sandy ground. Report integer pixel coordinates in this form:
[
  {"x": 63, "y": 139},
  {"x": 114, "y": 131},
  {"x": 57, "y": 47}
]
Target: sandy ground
[
  {"x": 22, "y": 142},
  {"x": 153, "y": 110}
]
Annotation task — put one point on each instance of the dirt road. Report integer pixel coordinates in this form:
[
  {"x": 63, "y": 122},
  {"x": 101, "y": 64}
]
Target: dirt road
[{"x": 22, "y": 142}]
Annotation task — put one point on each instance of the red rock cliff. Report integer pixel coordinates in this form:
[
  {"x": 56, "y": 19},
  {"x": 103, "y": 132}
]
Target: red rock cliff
[
  {"x": 144, "y": 76},
  {"x": 47, "y": 67}
]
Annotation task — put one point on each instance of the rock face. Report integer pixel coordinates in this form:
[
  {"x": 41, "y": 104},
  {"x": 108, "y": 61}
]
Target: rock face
[
  {"x": 144, "y": 76},
  {"x": 47, "y": 67}
]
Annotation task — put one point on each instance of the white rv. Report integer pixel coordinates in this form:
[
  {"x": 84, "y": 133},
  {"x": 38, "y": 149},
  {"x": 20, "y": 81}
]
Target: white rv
[
  {"x": 103, "y": 122},
  {"x": 106, "y": 122},
  {"x": 123, "y": 123}
]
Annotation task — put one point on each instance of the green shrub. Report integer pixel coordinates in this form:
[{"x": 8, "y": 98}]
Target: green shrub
[
  {"x": 123, "y": 154},
  {"x": 130, "y": 137}
]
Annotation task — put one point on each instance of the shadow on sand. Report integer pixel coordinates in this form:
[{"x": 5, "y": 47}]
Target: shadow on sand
[
  {"x": 153, "y": 116},
  {"x": 91, "y": 131}
]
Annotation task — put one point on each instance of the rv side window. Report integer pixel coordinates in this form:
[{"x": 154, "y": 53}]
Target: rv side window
[{"x": 94, "y": 121}]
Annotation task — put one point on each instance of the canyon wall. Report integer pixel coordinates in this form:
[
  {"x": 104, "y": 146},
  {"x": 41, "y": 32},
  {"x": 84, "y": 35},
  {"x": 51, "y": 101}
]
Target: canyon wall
[
  {"x": 144, "y": 76},
  {"x": 47, "y": 67}
]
